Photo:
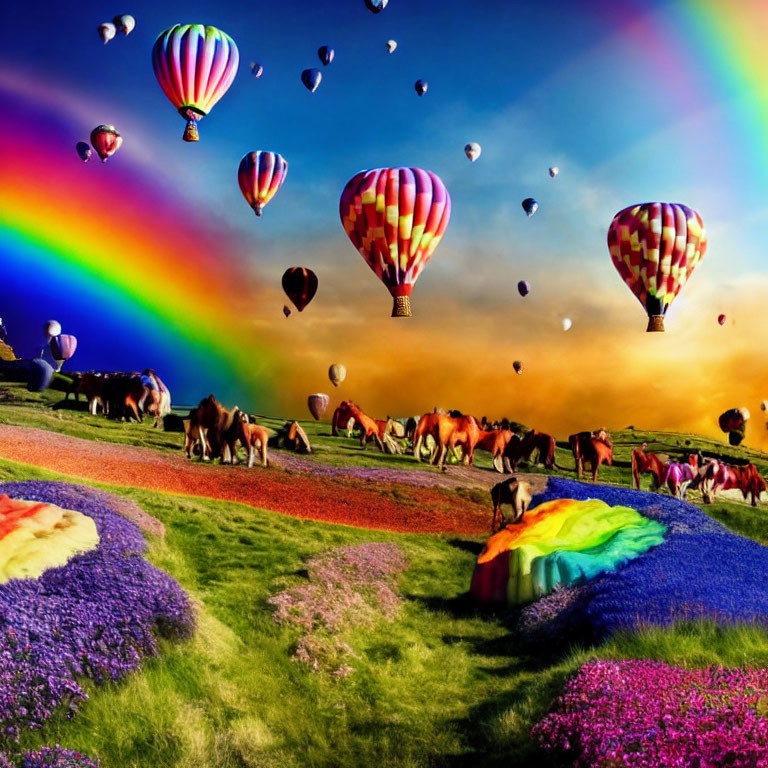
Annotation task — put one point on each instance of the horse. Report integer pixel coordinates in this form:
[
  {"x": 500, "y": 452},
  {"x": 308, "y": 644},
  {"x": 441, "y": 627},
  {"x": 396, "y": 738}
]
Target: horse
[
  {"x": 369, "y": 427},
  {"x": 495, "y": 442},
  {"x": 643, "y": 462},
  {"x": 92, "y": 386},
  {"x": 513, "y": 491},
  {"x": 253, "y": 437},
  {"x": 192, "y": 435},
  {"x": 342, "y": 419},
  {"x": 122, "y": 394},
  {"x": 156, "y": 398},
  {"x": 523, "y": 448},
  {"x": 593, "y": 447},
  {"x": 679, "y": 477},
  {"x": 292, "y": 437},
  {"x": 448, "y": 432},
  {"x": 216, "y": 428},
  {"x": 718, "y": 476}
]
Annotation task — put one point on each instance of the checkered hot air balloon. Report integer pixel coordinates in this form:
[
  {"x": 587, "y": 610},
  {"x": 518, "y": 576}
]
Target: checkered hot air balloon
[
  {"x": 396, "y": 217},
  {"x": 655, "y": 247},
  {"x": 195, "y": 65},
  {"x": 260, "y": 175}
]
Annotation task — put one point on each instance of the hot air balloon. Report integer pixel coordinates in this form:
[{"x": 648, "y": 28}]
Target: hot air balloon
[
  {"x": 286, "y": 311},
  {"x": 107, "y": 31},
  {"x": 300, "y": 284},
  {"x": 318, "y": 405},
  {"x": 518, "y": 366},
  {"x": 523, "y": 287},
  {"x": 391, "y": 46},
  {"x": 51, "y": 328},
  {"x": 125, "y": 23},
  {"x": 106, "y": 141},
  {"x": 62, "y": 348},
  {"x": 260, "y": 175},
  {"x": 721, "y": 319},
  {"x": 764, "y": 405},
  {"x": 655, "y": 247},
  {"x": 39, "y": 375},
  {"x": 325, "y": 54},
  {"x": 530, "y": 206},
  {"x": 376, "y": 6},
  {"x": 421, "y": 87},
  {"x": 337, "y": 373},
  {"x": 256, "y": 69},
  {"x": 472, "y": 150},
  {"x": 195, "y": 65},
  {"x": 734, "y": 422},
  {"x": 84, "y": 151},
  {"x": 311, "y": 79},
  {"x": 553, "y": 171},
  {"x": 567, "y": 323},
  {"x": 396, "y": 217}
]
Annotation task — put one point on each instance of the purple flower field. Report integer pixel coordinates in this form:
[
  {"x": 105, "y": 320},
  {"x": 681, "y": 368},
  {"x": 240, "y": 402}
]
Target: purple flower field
[
  {"x": 95, "y": 617},
  {"x": 701, "y": 571},
  {"x": 645, "y": 714},
  {"x": 48, "y": 757}
]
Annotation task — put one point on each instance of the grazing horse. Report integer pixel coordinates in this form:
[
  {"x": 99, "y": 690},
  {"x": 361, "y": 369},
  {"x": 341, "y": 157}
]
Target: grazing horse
[
  {"x": 369, "y": 427},
  {"x": 342, "y": 419},
  {"x": 531, "y": 441},
  {"x": 216, "y": 428},
  {"x": 92, "y": 386},
  {"x": 448, "y": 432},
  {"x": 718, "y": 476},
  {"x": 642, "y": 462},
  {"x": 513, "y": 491},
  {"x": 593, "y": 447},
  {"x": 495, "y": 442},
  {"x": 292, "y": 437},
  {"x": 428, "y": 426},
  {"x": 679, "y": 477}
]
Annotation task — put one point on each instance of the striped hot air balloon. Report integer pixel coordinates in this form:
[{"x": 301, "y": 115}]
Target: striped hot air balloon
[
  {"x": 260, "y": 175},
  {"x": 396, "y": 217},
  {"x": 300, "y": 284},
  {"x": 655, "y": 247},
  {"x": 195, "y": 65}
]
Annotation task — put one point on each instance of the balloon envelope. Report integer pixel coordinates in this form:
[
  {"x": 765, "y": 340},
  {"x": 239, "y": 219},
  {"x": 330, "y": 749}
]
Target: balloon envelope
[
  {"x": 391, "y": 46},
  {"x": 395, "y": 218},
  {"x": 518, "y": 366},
  {"x": 311, "y": 79},
  {"x": 300, "y": 284},
  {"x": 194, "y": 64},
  {"x": 106, "y": 141},
  {"x": 472, "y": 150},
  {"x": 553, "y": 171},
  {"x": 655, "y": 247},
  {"x": 125, "y": 23},
  {"x": 260, "y": 176},
  {"x": 256, "y": 69},
  {"x": 734, "y": 420},
  {"x": 376, "y": 6},
  {"x": 325, "y": 54},
  {"x": 51, "y": 328},
  {"x": 523, "y": 287},
  {"x": 764, "y": 405},
  {"x": 84, "y": 151},
  {"x": 567, "y": 323},
  {"x": 421, "y": 87},
  {"x": 39, "y": 375},
  {"x": 530, "y": 206},
  {"x": 63, "y": 346},
  {"x": 337, "y": 373},
  {"x": 107, "y": 31},
  {"x": 286, "y": 311},
  {"x": 721, "y": 319},
  {"x": 318, "y": 405}
]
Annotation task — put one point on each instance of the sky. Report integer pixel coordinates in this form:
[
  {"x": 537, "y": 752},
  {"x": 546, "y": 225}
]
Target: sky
[{"x": 155, "y": 259}]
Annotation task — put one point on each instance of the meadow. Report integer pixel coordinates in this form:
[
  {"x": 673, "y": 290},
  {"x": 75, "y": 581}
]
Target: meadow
[{"x": 443, "y": 683}]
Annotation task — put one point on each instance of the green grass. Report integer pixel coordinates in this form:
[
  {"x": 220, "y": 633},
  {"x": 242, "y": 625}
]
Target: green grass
[{"x": 443, "y": 684}]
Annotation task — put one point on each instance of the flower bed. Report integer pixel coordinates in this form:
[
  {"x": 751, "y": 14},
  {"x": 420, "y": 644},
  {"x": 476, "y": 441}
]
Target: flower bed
[
  {"x": 48, "y": 757},
  {"x": 96, "y": 617},
  {"x": 645, "y": 714}
]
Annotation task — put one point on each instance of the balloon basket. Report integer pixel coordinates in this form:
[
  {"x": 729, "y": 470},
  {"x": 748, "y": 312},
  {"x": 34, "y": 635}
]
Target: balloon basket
[
  {"x": 190, "y": 132},
  {"x": 257, "y": 209},
  {"x": 402, "y": 307},
  {"x": 655, "y": 324}
]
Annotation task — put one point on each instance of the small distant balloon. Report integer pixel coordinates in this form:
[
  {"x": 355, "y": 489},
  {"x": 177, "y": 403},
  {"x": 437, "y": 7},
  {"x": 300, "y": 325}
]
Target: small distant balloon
[
  {"x": 125, "y": 23},
  {"x": 764, "y": 405},
  {"x": 311, "y": 79},
  {"x": 337, "y": 373},
  {"x": 523, "y": 287},
  {"x": 473, "y": 151},
  {"x": 376, "y": 6},
  {"x": 391, "y": 46},
  {"x": 256, "y": 69},
  {"x": 530, "y": 206},
  {"x": 84, "y": 151},
  {"x": 518, "y": 366},
  {"x": 286, "y": 311},
  {"x": 721, "y": 319},
  {"x": 567, "y": 323},
  {"x": 106, "y": 141},
  {"x": 318, "y": 405},
  {"x": 51, "y": 328},
  {"x": 300, "y": 285},
  {"x": 553, "y": 171},
  {"x": 325, "y": 54},
  {"x": 39, "y": 375},
  {"x": 260, "y": 175},
  {"x": 421, "y": 87},
  {"x": 107, "y": 31}
]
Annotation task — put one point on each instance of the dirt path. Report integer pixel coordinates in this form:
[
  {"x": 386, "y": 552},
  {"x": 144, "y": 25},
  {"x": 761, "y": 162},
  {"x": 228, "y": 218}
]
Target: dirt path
[{"x": 384, "y": 499}]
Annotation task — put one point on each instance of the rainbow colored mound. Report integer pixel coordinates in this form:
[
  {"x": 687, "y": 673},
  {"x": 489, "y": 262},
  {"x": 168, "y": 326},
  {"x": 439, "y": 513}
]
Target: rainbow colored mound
[
  {"x": 35, "y": 537},
  {"x": 560, "y": 542}
]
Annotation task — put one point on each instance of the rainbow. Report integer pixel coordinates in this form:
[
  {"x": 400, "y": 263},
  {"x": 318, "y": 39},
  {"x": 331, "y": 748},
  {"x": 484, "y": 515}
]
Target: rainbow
[{"x": 114, "y": 245}]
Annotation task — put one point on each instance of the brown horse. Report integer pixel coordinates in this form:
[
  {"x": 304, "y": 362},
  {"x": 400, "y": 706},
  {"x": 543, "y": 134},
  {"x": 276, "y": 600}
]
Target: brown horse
[
  {"x": 253, "y": 437},
  {"x": 495, "y": 442},
  {"x": 192, "y": 436},
  {"x": 523, "y": 448},
  {"x": 653, "y": 463},
  {"x": 369, "y": 427},
  {"x": 217, "y": 429},
  {"x": 513, "y": 491},
  {"x": 594, "y": 447},
  {"x": 448, "y": 432}
]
